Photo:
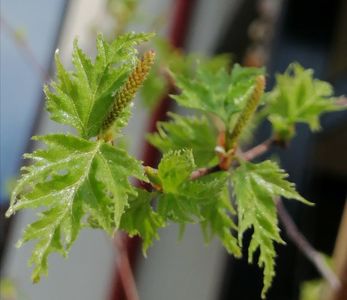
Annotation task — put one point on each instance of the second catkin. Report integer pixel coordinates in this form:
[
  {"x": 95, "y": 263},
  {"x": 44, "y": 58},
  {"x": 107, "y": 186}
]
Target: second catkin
[{"x": 128, "y": 91}]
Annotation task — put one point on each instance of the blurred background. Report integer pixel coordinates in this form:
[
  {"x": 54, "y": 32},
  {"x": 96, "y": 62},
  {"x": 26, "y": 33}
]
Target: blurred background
[{"x": 273, "y": 33}]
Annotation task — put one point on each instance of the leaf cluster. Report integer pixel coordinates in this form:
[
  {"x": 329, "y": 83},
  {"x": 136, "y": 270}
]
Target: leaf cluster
[
  {"x": 220, "y": 97},
  {"x": 83, "y": 180},
  {"x": 77, "y": 181}
]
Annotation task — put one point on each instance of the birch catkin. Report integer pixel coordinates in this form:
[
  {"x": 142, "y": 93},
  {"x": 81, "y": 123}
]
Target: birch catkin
[
  {"x": 129, "y": 89},
  {"x": 248, "y": 111}
]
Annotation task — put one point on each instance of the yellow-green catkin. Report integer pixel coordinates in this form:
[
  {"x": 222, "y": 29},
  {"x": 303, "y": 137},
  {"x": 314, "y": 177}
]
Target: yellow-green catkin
[
  {"x": 247, "y": 112},
  {"x": 129, "y": 89}
]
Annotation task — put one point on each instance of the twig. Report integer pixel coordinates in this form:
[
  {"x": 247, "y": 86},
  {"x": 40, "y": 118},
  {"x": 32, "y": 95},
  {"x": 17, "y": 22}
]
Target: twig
[
  {"x": 342, "y": 101},
  {"x": 306, "y": 248},
  {"x": 203, "y": 172},
  {"x": 258, "y": 150},
  {"x": 125, "y": 272},
  {"x": 248, "y": 155}
]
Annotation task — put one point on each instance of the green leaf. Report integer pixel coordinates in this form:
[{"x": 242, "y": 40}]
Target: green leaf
[
  {"x": 182, "y": 199},
  {"x": 217, "y": 220},
  {"x": 83, "y": 97},
  {"x": 175, "y": 169},
  {"x": 255, "y": 187},
  {"x": 312, "y": 290},
  {"x": 157, "y": 83},
  {"x": 298, "y": 97},
  {"x": 140, "y": 219},
  {"x": 217, "y": 91},
  {"x": 182, "y": 132},
  {"x": 72, "y": 178}
]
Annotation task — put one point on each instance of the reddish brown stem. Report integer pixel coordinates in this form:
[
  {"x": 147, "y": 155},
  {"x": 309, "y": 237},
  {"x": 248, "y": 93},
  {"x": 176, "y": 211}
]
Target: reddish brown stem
[
  {"x": 125, "y": 271},
  {"x": 342, "y": 101},
  {"x": 258, "y": 150},
  {"x": 248, "y": 155},
  {"x": 203, "y": 172}
]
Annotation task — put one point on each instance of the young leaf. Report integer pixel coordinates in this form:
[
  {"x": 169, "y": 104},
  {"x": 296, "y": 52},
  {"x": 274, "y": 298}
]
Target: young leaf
[
  {"x": 217, "y": 92},
  {"x": 139, "y": 218},
  {"x": 182, "y": 132},
  {"x": 182, "y": 199},
  {"x": 72, "y": 178},
  {"x": 173, "y": 172},
  {"x": 255, "y": 187},
  {"x": 298, "y": 97},
  {"x": 83, "y": 97}
]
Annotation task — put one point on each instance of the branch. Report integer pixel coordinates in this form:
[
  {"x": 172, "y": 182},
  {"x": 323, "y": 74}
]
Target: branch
[
  {"x": 258, "y": 150},
  {"x": 342, "y": 101},
  {"x": 204, "y": 171},
  {"x": 125, "y": 273},
  {"x": 305, "y": 247},
  {"x": 248, "y": 155}
]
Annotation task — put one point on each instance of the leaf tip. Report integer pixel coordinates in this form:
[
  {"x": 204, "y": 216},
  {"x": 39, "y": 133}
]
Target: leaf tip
[
  {"x": 307, "y": 202},
  {"x": 144, "y": 251},
  {"x": 35, "y": 278}
]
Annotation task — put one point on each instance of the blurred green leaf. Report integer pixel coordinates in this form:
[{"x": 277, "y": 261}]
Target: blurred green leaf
[{"x": 298, "y": 98}]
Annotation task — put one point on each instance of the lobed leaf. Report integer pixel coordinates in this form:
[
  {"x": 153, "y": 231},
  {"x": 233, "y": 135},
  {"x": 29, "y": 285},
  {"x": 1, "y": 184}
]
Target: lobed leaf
[
  {"x": 298, "y": 98},
  {"x": 83, "y": 97},
  {"x": 72, "y": 178},
  {"x": 141, "y": 219},
  {"x": 255, "y": 187},
  {"x": 169, "y": 58},
  {"x": 217, "y": 91}
]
